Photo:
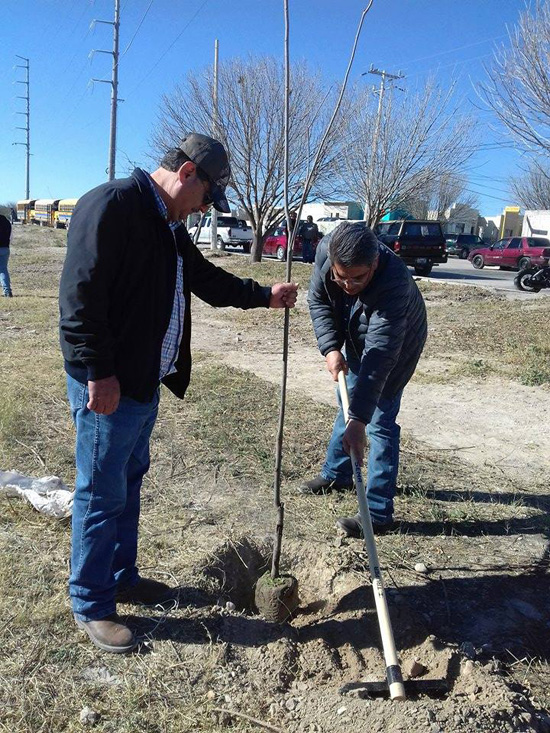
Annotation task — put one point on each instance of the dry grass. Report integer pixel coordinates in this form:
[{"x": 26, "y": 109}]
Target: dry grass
[
  {"x": 211, "y": 478},
  {"x": 481, "y": 334}
]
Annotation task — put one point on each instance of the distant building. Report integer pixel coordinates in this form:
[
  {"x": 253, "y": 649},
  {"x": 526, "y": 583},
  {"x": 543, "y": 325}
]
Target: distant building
[
  {"x": 333, "y": 210},
  {"x": 459, "y": 219},
  {"x": 396, "y": 214},
  {"x": 507, "y": 224},
  {"x": 489, "y": 227},
  {"x": 536, "y": 223},
  {"x": 511, "y": 222}
]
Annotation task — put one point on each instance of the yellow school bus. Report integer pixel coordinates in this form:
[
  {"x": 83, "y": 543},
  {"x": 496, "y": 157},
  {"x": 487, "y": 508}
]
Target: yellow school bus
[
  {"x": 64, "y": 212},
  {"x": 25, "y": 211},
  {"x": 44, "y": 211}
]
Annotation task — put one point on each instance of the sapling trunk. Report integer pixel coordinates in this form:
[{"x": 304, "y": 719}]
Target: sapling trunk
[{"x": 291, "y": 236}]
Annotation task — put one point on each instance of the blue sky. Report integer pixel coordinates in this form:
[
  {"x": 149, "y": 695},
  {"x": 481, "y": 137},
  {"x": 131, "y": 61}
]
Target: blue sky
[{"x": 162, "y": 40}]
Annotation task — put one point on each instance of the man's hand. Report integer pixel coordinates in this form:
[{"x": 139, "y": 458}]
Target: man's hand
[
  {"x": 355, "y": 440},
  {"x": 336, "y": 363},
  {"x": 283, "y": 295},
  {"x": 104, "y": 395}
]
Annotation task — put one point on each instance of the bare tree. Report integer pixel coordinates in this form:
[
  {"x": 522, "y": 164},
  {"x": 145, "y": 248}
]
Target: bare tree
[
  {"x": 518, "y": 87},
  {"x": 250, "y": 125},
  {"x": 532, "y": 189},
  {"x": 7, "y": 209},
  {"x": 438, "y": 196},
  {"x": 449, "y": 189},
  {"x": 420, "y": 139}
]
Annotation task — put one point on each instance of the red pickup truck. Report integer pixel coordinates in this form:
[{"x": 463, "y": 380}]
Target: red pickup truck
[{"x": 514, "y": 252}]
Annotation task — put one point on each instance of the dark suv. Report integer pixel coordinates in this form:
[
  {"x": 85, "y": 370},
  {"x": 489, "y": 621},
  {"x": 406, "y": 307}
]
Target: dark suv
[
  {"x": 420, "y": 244},
  {"x": 463, "y": 244}
]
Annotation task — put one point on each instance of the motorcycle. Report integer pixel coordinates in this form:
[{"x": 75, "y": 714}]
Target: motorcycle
[{"x": 533, "y": 279}]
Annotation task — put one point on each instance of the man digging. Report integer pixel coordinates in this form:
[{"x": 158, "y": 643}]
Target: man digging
[
  {"x": 125, "y": 302},
  {"x": 362, "y": 299}
]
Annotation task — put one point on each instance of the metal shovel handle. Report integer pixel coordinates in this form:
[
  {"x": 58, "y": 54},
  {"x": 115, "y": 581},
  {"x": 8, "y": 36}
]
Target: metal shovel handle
[{"x": 393, "y": 668}]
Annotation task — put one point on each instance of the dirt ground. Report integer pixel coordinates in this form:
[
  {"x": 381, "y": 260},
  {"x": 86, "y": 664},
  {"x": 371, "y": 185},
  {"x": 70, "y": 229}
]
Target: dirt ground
[
  {"x": 458, "y": 628},
  {"x": 477, "y": 418},
  {"x": 466, "y": 574}
]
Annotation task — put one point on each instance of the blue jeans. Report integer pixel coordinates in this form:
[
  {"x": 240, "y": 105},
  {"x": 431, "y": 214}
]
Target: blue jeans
[
  {"x": 307, "y": 251},
  {"x": 383, "y": 461},
  {"x": 112, "y": 456},
  {"x": 4, "y": 274}
]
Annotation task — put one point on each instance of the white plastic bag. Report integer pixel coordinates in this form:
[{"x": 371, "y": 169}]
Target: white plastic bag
[{"x": 48, "y": 494}]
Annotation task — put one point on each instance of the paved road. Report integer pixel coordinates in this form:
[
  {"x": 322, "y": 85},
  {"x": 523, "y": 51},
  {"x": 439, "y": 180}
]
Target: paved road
[{"x": 461, "y": 272}]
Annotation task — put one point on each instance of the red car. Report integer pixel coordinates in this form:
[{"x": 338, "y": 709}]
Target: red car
[
  {"x": 514, "y": 252},
  {"x": 276, "y": 244}
]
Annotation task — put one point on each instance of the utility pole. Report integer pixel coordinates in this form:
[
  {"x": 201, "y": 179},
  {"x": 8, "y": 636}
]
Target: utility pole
[
  {"x": 114, "y": 87},
  {"x": 214, "y": 219},
  {"x": 383, "y": 76},
  {"x": 27, "y": 114}
]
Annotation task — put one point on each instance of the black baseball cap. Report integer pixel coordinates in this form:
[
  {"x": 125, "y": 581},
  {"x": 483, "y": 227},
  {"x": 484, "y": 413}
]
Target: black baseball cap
[{"x": 209, "y": 155}]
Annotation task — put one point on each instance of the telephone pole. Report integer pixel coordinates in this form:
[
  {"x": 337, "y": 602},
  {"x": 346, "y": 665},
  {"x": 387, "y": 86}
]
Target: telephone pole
[
  {"x": 114, "y": 87},
  {"x": 214, "y": 219},
  {"x": 27, "y": 114},
  {"x": 380, "y": 91}
]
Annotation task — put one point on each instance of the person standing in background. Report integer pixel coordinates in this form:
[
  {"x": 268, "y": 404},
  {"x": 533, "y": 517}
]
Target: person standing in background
[
  {"x": 309, "y": 232},
  {"x": 5, "y": 237}
]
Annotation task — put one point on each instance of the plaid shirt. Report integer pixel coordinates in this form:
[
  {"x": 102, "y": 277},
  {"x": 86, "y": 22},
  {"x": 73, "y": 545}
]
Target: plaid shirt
[{"x": 172, "y": 337}]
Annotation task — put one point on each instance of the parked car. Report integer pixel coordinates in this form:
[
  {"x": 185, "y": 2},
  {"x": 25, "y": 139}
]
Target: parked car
[
  {"x": 516, "y": 253},
  {"x": 420, "y": 244},
  {"x": 276, "y": 244},
  {"x": 230, "y": 230},
  {"x": 463, "y": 244}
]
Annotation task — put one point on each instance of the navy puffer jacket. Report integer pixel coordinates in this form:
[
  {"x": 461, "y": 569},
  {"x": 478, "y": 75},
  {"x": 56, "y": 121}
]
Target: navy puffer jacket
[{"x": 386, "y": 329}]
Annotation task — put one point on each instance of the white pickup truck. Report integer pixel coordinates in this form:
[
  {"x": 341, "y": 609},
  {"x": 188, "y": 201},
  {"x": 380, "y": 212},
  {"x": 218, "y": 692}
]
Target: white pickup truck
[{"x": 231, "y": 231}]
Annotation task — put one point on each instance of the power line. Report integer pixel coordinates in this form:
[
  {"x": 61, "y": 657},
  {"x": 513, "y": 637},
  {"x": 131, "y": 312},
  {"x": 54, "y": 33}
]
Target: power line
[
  {"x": 176, "y": 39},
  {"x": 77, "y": 78},
  {"x": 451, "y": 63},
  {"x": 486, "y": 195},
  {"x": 137, "y": 29},
  {"x": 73, "y": 57},
  {"x": 73, "y": 110},
  {"x": 488, "y": 188},
  {"x": 459, "y": 48}
]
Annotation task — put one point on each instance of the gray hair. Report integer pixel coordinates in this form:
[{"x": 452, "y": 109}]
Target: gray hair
[
  {"x": 173, "y": 159},
  {"x": 352, "y": 243}
]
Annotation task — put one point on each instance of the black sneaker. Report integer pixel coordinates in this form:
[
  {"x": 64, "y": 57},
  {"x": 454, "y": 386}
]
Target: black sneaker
[
  {"x": 321, "y": 485},
  {"x": 352, "y": 527}
]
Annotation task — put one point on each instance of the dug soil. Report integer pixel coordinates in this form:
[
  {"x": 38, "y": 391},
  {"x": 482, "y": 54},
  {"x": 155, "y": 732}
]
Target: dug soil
[{"x": 481, "y": 606}]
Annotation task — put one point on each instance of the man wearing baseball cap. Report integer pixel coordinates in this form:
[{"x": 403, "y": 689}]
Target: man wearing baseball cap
[{"x": 125, "y": 327}]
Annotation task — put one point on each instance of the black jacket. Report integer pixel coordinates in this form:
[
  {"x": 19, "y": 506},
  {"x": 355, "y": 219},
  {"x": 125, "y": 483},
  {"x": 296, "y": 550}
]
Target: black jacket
[
  {"x": 386, "y": 330},
  {"x": 117, "y": 289},
  {"x": 5, "y": 231}
]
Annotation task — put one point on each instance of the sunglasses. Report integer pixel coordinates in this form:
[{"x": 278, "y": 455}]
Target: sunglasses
[
  {"x": 207, "y": 199},
  {"x": 348, "y": 280}
]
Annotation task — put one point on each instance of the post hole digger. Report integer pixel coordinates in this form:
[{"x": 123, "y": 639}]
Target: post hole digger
[{"x": 397, "y": 687}]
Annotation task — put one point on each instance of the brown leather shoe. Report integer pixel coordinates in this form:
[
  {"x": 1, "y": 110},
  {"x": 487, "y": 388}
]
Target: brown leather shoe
[
  {"x": 146, "y": 592},
  {"x": 109, "y": 634}
]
